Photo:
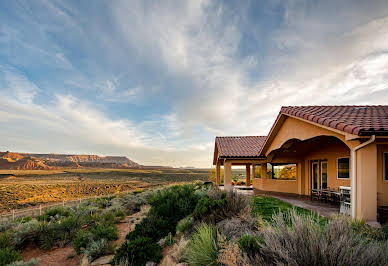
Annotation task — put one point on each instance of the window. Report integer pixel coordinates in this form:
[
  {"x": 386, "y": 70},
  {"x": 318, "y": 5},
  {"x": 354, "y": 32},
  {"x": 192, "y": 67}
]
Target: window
[
  {"x": 281, "y": 171},
  {"x": 257, "y": 171},
  {"x": 343, "y": 168},
  {"x": 386, "y": 166}
]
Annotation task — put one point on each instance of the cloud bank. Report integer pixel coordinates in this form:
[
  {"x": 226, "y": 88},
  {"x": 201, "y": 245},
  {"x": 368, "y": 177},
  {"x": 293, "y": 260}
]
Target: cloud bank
[{"x": 157, "y": 81}]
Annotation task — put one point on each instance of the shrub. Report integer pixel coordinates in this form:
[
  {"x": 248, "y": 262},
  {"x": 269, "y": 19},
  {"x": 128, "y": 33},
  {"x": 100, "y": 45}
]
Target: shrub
[
  {"x": 107, "y": 232},
  {"x": 184, "y": 225},
  {"x": 206, "y": 205},
  {"x": 55, "y": 213},
  {"x": 5, "y": 241},
  {"x": 47, "y": 236},
  {"x": 169, "y": 240},
  {"x": 8, "y": 255},
  {"x": 305, "y": 243},
  {"x": 202, "y": 248},
  {"x": 65, "y": 228},
  {"x": 98, "y": 248},
  {"x": 31, "y": 262},
  {"x": 250, "y": 244},
  {"x": 173, "y": 204},
  {"x": 138, "y": 252},
  {"x": 81, "y": 240},
  {"x": 235, "y": 227},
  {"x": 152, "y": 227},
  {"x": 25, "y": 233}
]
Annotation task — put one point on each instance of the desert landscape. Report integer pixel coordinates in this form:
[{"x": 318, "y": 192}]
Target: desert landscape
[{"x": 30, "y": 179}]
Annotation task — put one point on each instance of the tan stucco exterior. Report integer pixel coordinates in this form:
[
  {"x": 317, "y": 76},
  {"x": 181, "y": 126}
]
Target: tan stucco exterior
[{"x": 298, "y": 141}]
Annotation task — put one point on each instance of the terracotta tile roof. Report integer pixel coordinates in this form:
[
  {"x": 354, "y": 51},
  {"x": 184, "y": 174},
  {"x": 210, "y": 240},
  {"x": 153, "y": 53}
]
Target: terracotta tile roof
[
  {"x": 244, "y": 146},
  {"x": 358, "y": 120}
]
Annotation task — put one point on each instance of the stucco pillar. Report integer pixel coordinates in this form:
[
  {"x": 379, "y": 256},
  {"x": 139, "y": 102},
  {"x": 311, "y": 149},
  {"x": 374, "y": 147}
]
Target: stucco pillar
[
  {"x": 248, "y": 175},
  {"x": 218, "y": 173},
  {"x": 228, "y": 175},
  {"x": 300, "y": 177},
  {"x": 263, "y": 171},
  {"x": 367, "y": 183}
]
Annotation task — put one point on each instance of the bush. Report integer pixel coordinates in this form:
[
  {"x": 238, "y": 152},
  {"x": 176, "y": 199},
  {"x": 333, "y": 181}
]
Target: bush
[
  {"x": 97, "y": 249},
  {"x": 206, "y": 205},
  {"x": 24, "y": 234},
  {"x": 250, "y": 244},
  {"x": 5, "y": 241},
  {"x": 233, "y": 228},
  {"x": 184, "y": 225},
  {"x": 105, "y": 232},
  {"x": 81, "y": 240},
  {"x": 55, "y": 213},
  {"x": 47, "y": 236},
  {"x": 305, "y": 243},
  {"x": 8, "y": 255},
  {"x": 138, "y": 252},
  {"x": 202, "y": 248},
  {"x": 169, "y": 240},
  {"x": 173, "y": 203},
  {"x": 31, "y": 262},
  {"x": 152, "y": 227}
]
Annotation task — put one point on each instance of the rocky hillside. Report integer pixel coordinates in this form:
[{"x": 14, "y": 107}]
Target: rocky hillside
[{"x": 29, "y": 161}]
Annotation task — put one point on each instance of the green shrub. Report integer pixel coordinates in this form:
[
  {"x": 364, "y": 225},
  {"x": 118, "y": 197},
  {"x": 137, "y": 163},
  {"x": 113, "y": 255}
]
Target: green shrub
[
  {"x": 138, "y": 252},
  {"x": 47, "y": 236},
  {"x": 202, "y": 248},
  {"x": 5, "y": 241},
  {"x": 249, "y": 244},
  {"x": 81, "y": 240},
  {"x": 152, "y": 227},
  {"x": 207, "y": 204},
  {"x": 173, "y": 203},
  {"x": 108, "y": 232},
  {"x": 65, "y": 229},
  {"x": 8, "y": 255},
  {"x": 169, "y": 240},
  {"x": 55, "y": 213},
  {"x": 185, "y": 224},
  {"x": 98, "y": 248}
]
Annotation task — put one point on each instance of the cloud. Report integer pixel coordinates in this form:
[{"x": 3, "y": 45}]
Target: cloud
[{"x": 158, "y": 80}]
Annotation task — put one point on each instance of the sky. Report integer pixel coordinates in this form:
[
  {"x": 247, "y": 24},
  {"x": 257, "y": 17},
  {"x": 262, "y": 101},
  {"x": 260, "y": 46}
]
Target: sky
[{"x": 156, "y": 81}]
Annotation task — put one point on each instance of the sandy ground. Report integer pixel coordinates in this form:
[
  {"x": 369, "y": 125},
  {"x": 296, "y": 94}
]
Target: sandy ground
[{"x": 66, "y": 256}]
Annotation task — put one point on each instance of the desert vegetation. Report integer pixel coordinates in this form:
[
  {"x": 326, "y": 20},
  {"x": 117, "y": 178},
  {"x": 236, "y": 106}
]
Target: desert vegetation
[
  {"x": 198, "y": 224},
  {"x": 25, "y": 188}
]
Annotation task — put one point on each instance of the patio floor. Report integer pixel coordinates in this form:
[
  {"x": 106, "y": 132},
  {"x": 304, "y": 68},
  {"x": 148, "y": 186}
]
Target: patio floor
[{"x": 322, "y": 208}]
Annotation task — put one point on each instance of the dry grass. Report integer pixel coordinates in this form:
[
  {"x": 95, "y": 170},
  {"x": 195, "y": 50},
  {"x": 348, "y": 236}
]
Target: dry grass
[{"x": 24, "y": 188}]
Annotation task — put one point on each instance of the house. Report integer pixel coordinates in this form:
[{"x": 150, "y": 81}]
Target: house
[{"x": 316, "y": 147}]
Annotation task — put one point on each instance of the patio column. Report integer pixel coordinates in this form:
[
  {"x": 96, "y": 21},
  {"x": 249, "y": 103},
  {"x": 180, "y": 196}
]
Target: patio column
[
  {"x": 253, "y": 172},
  {"x": 218, "y": 173},
  {"x": 248, "y": 175},
  {"x": 263, "y": 170},
  {"x": 366, "y": 188},
  {"x": 228, "y": 175}
]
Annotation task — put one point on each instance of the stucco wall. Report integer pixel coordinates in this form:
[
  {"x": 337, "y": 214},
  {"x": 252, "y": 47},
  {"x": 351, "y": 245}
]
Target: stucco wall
[
  {"x": 329, "y": 153},
  {"x": 382, "y": 185}
]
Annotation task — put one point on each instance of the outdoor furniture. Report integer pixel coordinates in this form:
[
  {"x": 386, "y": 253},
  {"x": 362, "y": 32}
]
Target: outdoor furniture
[{"x": 326, "y": 195}]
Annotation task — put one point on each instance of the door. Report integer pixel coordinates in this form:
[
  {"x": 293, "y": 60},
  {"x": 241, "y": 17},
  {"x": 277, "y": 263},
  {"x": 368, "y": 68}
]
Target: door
[
  {"x": 314, "y": 175},
  {"x": 323, "y": 174}
]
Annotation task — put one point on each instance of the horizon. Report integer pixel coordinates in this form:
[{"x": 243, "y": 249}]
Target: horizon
[{"x": 157, "y": 82}]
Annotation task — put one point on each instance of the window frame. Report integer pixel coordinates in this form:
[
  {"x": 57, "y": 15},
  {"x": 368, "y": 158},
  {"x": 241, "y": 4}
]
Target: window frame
[
  {"x": 385, "y": 175},
  {"x": 342, "y": 178},
  {"x": 280, "y": 164}
]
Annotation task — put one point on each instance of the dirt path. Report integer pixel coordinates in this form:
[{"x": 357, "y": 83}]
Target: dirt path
[{"x": 66, "y": 256}]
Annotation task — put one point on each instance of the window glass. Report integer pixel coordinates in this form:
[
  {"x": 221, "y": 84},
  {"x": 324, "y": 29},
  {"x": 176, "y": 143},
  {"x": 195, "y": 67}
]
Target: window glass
[
  {"x": 343, "y": 167},
  {"x": 282, "y": 171},
  {"x": 257, "y": 171},
  {"x": 386, "y": 166}
]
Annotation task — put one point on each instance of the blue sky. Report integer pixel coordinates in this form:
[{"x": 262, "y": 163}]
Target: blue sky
[{"x": 157, "y": 80}]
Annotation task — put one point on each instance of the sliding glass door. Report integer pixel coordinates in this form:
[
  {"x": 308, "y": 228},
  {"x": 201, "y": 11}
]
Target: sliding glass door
[{"x": 314, "y": 175}]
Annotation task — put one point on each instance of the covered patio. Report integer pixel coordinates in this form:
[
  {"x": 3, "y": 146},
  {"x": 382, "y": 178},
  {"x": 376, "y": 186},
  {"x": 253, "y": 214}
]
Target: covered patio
[{"x": 237, "y": 151}]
